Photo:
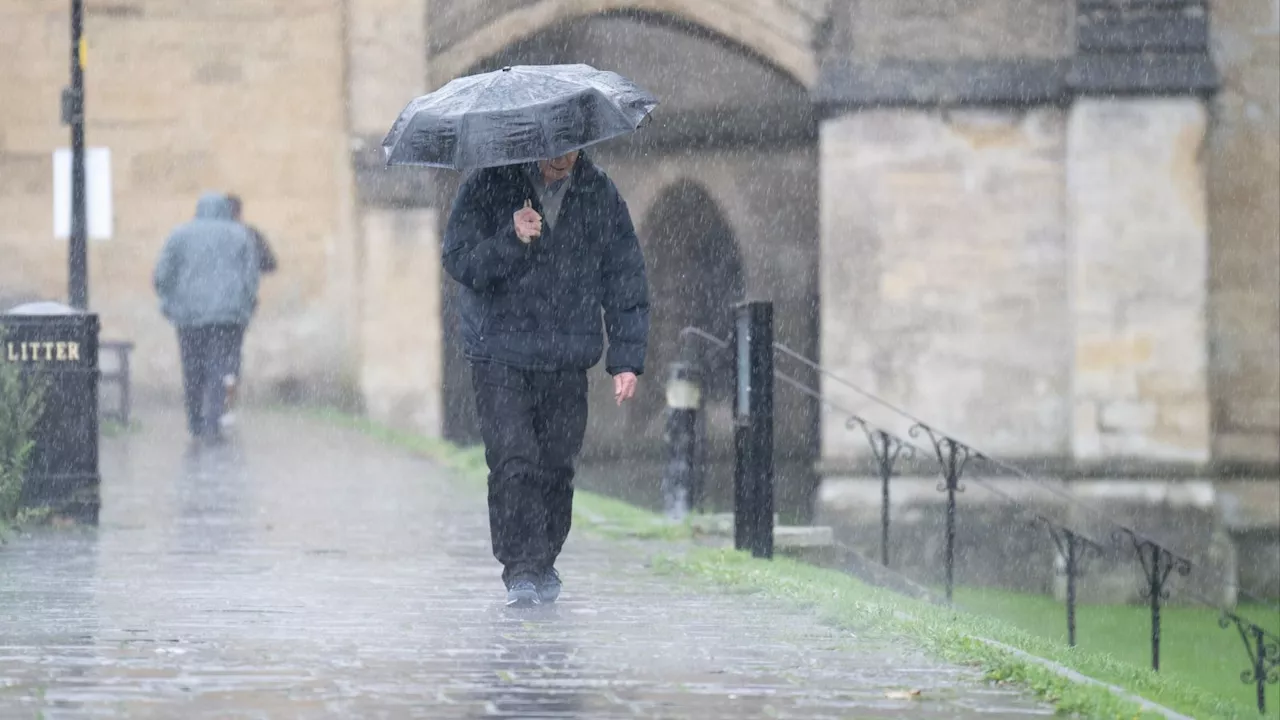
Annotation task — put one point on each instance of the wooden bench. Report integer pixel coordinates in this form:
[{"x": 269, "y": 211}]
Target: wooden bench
[{"x": 118, "y": 375}]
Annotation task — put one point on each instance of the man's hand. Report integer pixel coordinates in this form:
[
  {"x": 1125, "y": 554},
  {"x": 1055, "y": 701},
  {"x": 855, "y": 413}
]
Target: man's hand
[
  {"x": 624, "y": 386},
  {"x": 528, "y": 223}
]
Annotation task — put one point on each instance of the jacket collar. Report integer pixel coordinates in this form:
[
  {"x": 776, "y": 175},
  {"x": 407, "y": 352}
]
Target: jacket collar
[{"x": 587, "y": 177}]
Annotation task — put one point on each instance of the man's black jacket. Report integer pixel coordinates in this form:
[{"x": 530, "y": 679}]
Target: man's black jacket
[{"x": 538, "y": 306}]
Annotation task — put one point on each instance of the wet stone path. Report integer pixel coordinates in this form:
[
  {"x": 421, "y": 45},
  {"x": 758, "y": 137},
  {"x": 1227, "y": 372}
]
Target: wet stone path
[{"x": 305, "y": 571}]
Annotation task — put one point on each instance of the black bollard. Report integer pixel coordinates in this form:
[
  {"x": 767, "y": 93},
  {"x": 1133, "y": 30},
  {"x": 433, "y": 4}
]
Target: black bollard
[
  {"x": 59, "y": 345},
  {"x": 684, "y": 397},
  {"x": 753, "y": 431}
]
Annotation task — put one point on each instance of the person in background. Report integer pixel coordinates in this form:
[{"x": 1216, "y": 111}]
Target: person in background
[
  {"x": 266, "y": 265},
  {"x": 207, "y": 280}
]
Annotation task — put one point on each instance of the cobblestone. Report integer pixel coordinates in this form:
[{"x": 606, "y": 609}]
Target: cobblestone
[{"x": 305, "y": 571}]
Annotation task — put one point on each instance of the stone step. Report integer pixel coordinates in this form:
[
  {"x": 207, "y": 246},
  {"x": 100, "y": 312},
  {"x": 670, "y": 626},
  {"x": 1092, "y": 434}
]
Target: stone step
[{"x": 784, "y": 536}]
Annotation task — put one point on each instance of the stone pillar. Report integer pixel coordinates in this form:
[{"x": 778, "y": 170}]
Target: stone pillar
[
  {"x": 401, "y": 335},
  {"x": 401, "y": 375},
  {"x": 942, "y": 273},
  {"x": 387, "y": 57},
  {"x": 942, "y": 291},
  {"x": 1138, "y": 262}
]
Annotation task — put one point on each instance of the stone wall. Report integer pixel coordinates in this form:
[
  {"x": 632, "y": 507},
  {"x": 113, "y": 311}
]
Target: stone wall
[
  {"x": 943, "y": 273},
  {"x": 401, "y": 354},
  {"x": 952, "y": 29},
  {"x": 401, "y": 370},
  {"x": 1139, "y": 254},
  {"x": 1243, "y": 157},
  {"x": 190, "y": 97}
]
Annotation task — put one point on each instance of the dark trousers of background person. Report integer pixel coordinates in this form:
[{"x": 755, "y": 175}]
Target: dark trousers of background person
[
  {"x": 207, "y": 357},
  {"x": 532, "y": 424},
  {"x": 238, "y": 357}
]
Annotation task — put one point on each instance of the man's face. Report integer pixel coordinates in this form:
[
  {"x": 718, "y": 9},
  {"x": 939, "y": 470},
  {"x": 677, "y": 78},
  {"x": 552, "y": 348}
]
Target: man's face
[{"x": 557, "y": 169}]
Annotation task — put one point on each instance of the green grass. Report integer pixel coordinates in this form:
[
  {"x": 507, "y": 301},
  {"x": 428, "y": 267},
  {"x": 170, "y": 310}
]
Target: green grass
[
  {"x": 114, "y": 428},
  {"x": 949, "y": 634},
  {"x": 1193, "y": 647}
]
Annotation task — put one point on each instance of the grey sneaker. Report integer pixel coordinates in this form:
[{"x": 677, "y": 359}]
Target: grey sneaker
[
  {"x": 523, "y": 593},
  {"x": 549, "y": 586}
]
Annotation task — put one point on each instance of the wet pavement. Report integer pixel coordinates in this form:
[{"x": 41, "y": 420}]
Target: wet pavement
[{"x": 305, "y": 571}]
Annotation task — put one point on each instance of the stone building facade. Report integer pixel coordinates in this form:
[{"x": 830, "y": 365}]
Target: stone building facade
[{"x": 1050, "y": 226}]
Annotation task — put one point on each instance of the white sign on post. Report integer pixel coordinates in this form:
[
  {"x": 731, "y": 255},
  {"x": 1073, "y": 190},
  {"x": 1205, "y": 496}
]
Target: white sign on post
[{"x": 97, "y": 182}]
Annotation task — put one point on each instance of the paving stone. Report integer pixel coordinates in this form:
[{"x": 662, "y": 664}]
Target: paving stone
[{"x": 305, "y": 571}]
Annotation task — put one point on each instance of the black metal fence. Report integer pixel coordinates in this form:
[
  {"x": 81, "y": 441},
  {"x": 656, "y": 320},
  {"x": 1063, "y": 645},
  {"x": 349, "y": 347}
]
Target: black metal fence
[{"x": 754, "y": 351}]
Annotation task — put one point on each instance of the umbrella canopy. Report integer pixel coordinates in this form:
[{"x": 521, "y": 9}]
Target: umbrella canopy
[{"x": 516, "y": 114}]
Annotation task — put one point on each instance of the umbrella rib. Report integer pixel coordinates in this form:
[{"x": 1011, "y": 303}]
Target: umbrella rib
[{"x": 462, "y": 117}]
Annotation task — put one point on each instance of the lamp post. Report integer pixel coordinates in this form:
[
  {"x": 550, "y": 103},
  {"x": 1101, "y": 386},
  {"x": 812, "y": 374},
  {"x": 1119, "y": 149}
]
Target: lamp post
[
  {"x": 73, "y": 115},
  {"x": 684, "y": 397}
]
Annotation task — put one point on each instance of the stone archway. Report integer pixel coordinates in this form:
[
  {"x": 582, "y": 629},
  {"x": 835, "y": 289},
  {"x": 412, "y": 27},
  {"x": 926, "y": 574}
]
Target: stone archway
[
  {"x": 783, "y": 33},
  {"x": 696, "y": 274},
  {"x": 734, "y": 127}
]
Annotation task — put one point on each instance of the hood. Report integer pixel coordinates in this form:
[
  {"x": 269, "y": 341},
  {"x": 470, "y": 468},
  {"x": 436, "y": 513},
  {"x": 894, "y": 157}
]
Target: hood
[{"x": 214, "y": 206}]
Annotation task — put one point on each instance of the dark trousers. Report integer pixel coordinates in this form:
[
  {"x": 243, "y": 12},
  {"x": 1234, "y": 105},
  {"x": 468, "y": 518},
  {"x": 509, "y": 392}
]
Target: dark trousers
[
  {"x": 238, "y": 357},
  {"x": 532, "y": 424},
  {"x": 207, "y": 357}
]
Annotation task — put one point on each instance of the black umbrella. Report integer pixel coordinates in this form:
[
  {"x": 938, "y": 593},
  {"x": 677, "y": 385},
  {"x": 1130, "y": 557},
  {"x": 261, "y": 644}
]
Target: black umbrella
[{"x": 516, "y": 114}]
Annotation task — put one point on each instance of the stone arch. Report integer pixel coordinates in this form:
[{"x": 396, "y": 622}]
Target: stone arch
[
  {"x": 695, "y": 275},
  {"x": 782, "y": 32},
  {"x": 737, "y": 147}
]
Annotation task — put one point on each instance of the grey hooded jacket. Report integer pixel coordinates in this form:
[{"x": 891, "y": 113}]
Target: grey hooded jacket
[{"x": 207, "y": 273}]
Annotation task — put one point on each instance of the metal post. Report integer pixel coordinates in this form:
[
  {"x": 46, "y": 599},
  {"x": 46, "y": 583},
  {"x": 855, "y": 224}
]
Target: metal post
[
  {"x": 1260, "y": 668},
  {"x": 885, "y": 448},
  {"x": 884, "y": 509},
  {"x": 1157, "y": 563},
  {"x": 1264, "y": 655},
  {"x": 73, "y": 108},
  {"x": 1156, "y": 580},
  {"x": 953, "y": 456},
  {"x": 1074, "y": 551},
  {"x": 1071, "y": 588},
  {"x": 753, "y": 432},
  {"x": 951, "y": 530}
]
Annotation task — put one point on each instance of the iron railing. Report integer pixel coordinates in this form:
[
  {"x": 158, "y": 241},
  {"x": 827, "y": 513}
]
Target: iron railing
[{"x": 1074, "y": 547}]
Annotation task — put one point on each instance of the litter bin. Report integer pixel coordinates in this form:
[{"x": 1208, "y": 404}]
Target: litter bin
[{"x": 60, "y": 345}]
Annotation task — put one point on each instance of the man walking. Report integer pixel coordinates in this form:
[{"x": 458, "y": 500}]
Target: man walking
[
  {"x": 266, "y": 265},
  {"x": 540, "y": 250},
  {"x": 207, "y": 280}
]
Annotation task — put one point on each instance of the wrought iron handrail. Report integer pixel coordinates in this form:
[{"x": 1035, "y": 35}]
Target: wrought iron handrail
[
  {"x": 1143, "y": 536},
  {"x": 1157, "y": 557}
]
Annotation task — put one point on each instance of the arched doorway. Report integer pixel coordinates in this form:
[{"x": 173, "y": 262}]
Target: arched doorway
[{"x": 696, "y": 276}]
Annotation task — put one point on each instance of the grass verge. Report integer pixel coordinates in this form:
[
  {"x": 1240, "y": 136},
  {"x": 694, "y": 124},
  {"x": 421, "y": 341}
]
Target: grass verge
[
  {"x": 951, "y": 635},
  {"x": 844, "y": 600},
  {"x": 1193, "y": 647},
  {"x": 115, "y": 428}
]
